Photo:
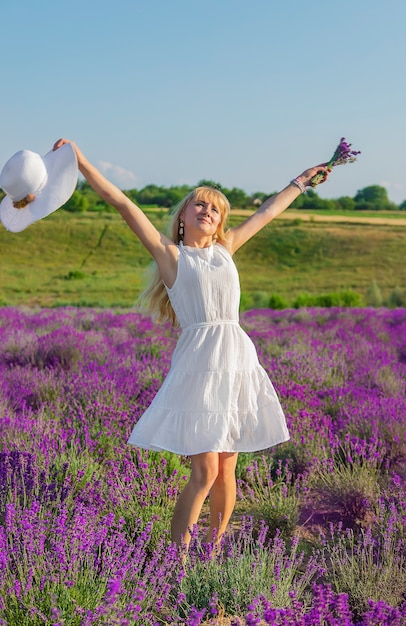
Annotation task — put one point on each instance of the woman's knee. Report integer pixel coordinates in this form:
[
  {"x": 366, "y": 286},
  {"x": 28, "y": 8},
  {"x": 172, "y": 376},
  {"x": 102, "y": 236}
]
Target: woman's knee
[
  {"x": 205, "y": 470},
  {"x": 227, "y": 466}
]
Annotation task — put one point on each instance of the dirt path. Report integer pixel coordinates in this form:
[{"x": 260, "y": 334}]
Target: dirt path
[{"x": 311, "y": 217}]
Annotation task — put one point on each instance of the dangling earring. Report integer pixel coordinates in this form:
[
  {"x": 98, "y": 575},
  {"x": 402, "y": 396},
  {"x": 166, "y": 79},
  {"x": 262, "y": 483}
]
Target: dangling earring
[
  {"x": 181, "y": 229},
  {"x": 215, "y": 237}
]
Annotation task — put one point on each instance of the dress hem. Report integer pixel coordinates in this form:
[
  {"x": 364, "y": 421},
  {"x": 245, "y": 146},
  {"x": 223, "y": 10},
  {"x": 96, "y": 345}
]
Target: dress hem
[{"x": 183, "y": 453}]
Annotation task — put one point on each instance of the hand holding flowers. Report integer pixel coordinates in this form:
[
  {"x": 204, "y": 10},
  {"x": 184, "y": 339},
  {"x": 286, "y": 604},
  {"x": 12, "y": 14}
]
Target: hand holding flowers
[{"x": 343, "y": 154}]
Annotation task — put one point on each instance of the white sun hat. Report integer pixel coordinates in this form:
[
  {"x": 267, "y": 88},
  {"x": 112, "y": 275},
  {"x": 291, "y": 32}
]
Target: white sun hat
[{"x": 36, "y": 186}]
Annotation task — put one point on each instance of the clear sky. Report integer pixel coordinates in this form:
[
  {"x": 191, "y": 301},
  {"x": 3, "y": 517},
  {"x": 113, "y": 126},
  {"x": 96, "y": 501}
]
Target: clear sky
[{"x": 246, "y": 93}]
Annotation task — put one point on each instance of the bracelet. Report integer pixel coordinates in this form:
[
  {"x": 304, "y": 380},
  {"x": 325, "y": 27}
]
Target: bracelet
[{"x": 298, "y": 184}]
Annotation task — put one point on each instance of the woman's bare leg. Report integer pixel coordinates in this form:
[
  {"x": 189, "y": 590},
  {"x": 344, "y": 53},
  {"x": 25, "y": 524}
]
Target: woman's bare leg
[
  {"x": 205, "y": 468},
  {"x": 222, "y": 496}
]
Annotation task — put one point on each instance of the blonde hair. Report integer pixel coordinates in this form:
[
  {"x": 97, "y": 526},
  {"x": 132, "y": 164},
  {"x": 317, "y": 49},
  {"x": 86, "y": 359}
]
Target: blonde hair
[{"x": 155, "y": 297}]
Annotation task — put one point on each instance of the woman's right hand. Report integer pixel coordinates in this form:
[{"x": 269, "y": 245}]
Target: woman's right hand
[{"x": 62, "y": 141}]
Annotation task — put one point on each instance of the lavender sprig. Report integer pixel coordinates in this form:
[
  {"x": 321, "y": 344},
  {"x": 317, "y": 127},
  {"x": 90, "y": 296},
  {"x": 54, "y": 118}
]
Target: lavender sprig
[{"x": 342, "y": 155}]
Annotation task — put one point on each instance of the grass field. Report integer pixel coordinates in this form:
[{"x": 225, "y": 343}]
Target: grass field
[{"x": 94, "y": 260}]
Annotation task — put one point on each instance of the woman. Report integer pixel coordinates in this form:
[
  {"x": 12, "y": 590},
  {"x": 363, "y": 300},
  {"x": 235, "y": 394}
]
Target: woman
[{"x": 217, "y": 400}]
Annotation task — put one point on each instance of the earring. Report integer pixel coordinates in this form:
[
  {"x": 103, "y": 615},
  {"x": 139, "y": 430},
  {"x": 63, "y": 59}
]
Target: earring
[
  {"x": 215, "y": 237},
  {"x": 181, "y": 229}
]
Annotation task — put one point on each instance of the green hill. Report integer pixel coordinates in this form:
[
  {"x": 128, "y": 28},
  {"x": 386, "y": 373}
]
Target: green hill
[{"x": 94, "y": 260}]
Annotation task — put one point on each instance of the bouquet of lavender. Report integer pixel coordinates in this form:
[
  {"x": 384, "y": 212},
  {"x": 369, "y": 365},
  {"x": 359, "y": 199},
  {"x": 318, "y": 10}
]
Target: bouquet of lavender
[{"x": 343, "y": 154}]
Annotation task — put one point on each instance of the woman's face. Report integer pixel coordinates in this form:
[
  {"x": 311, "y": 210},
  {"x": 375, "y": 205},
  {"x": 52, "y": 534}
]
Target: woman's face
[{"x": 201, "y": 217}]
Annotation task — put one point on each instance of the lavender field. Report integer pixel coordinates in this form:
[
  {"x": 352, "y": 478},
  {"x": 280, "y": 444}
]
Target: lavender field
[{"x": 318, "y": 535}]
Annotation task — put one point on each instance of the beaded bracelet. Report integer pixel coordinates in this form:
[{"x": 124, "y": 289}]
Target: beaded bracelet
[{"x": 298, "y": 184}]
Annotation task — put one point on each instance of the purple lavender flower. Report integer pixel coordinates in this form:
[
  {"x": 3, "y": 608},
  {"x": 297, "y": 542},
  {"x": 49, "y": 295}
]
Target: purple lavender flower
[
  {"x": 82, "y": 512},
  {"x": 342, "y": 155}
]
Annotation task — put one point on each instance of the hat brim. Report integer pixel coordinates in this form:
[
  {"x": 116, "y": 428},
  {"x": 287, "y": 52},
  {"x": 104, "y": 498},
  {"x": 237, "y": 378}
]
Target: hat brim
[{"x": 62, "y": 168}]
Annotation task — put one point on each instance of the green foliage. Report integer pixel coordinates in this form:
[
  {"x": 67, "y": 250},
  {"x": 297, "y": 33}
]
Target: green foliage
[
  {"x": 234, "y": 579},
  {"x": 159, "y": 196},
  {"x": 246, "y": 301},
  {"x": 93, "y": 201},
  {"x": 275, "y": 301},
  {"x": 373, "y": 296},
  {"x": 312, "y": 258},
  {"x": 281, "y": 513},
  {"x": 373, "y": 198},
  {"x": 272, "y": 490},
  {"x": 244, "y": 461},
  {"x": 311, "y": 200},
  {"x": 174, "y": 463},
  {"x": 54, "y": 599},
  {"x": 397, "y": 298},
  {"x": 260, "y": 300},
  {"x": 75, "y": 275},
  {"x": 366, "y": 567},
  {"x": 206, "y": 182},
  {"x": 238, "y": 198},
  {"x": 345, "y": 203},
  {"x": 349, "y": 480},
  {"x": 345, "y": 298},
  {"x": 259, "y": 197},
  {"x": 77, "y": 203}
]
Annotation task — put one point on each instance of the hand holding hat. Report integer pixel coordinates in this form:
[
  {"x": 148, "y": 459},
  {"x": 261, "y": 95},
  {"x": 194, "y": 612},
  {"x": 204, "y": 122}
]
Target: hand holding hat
[{"x": 36, "y": 186}]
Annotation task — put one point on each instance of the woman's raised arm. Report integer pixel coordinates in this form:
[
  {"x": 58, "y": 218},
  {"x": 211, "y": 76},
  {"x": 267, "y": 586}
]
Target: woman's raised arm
[
  {"x": 272, "y": 207},
  {"x": 160, "y": 247}
]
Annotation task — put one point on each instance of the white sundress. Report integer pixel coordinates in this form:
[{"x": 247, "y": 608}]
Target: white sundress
[{"x": 216, "y": 396}]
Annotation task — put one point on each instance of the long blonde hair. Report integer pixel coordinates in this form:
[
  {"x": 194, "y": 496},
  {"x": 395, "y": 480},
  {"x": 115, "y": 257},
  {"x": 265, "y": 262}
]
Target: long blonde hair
[{"x": 155, "y": 298}]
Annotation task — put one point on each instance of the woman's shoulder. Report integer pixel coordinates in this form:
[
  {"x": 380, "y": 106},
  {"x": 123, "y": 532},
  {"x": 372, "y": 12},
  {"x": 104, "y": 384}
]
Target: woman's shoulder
[{"x": 224, "y": 248}]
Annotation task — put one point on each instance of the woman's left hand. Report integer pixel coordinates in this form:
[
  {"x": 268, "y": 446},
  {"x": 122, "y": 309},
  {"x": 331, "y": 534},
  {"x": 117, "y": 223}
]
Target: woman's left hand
[{"x": 322, "y": 171}]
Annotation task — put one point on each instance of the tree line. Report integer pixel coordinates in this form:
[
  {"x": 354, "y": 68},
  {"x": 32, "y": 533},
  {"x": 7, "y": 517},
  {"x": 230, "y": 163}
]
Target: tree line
[{"x": 372, "y": 198}]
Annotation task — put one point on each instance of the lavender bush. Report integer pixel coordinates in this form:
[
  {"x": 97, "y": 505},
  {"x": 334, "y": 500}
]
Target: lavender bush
[
  {"x": 370, "y": 565},
  {"x": 319, "y": 532},
  {"x": 274, "y": 495}
]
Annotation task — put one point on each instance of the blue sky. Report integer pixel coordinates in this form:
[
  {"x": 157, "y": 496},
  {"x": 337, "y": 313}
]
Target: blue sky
[{"x": 246, "y": 93}]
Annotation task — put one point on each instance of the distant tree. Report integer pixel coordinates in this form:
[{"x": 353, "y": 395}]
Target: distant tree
[
  {"x": 152, "y": 194},
  {"x": 205, "y": 182},
  {"x": 91, "y": 196},
  {"x": 298, "y": 203},
  {"x": 77, "y": 203},
  {"x": 311, "y": 200},
  {"x": 101, "y": 206},
  {"x": 259, "y": 197},
  {"x": 160, "y": 196},
  {"x": 84, "y": 186},
  {"x": 238, "y": 198},
  {"x": 176, "y": 194},
  {"x": 373, "y": 198},
  {"x": 345, "y": 203},
  {"x": 132, "y": 194}
]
